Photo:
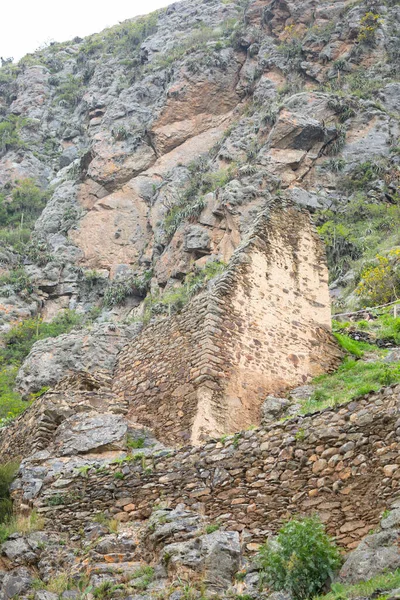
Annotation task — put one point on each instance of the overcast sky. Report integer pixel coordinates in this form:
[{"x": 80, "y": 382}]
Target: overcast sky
[{"x": 27, "y": 24}]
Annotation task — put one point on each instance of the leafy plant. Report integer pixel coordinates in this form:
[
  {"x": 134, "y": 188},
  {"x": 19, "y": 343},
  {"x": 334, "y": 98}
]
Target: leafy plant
[
  {"x": 352, "y": 346},
  {"x": 24, "y": 205},
  {"x": 369, "y": 25},
  {"x": 7, "y": 474},
  {"x": 211, "y": 528},
  {"x": 120, "y": 289},
  {"x": 20, "y": 339},
  {"x": 16, "y": 281},
  {"x": 301, "y": 560},
  {"x": 380, "y": 283},
  {"x": 136, "y": 443},
  {"x": 174, "y": 300}
]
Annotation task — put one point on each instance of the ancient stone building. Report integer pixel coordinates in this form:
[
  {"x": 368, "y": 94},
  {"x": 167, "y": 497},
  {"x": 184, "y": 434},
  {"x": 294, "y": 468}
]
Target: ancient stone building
[{"x": 262, "y": 327}]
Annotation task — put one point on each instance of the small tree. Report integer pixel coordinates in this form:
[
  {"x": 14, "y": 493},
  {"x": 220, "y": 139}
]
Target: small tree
[{"x": 301, "y": 559}]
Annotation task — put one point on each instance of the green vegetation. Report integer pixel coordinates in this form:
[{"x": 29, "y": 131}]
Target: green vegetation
[
  {"x": 20, "y": 339},
  {"x": 19, "y": 209},
  {"x": 380, "y": 282},
  {"x": 135, "y": 443},
  {"x": 211, "y": 528},
  {"x": 10, "y": 128},
  {"x": 111, "y": 524},
  {"x": 351, "y": 380},
  {"x": 16, "y": 281},
  {"x": 142, "y": 577},
  {"x": 300, "y": 560},
  {"x": 352, "y": 346},
  {"x": 383, "y": 327},
  {"x": 175, "y": 299},
  {"x": 17, "y": 344},
  {"x": 361, "y": 229},
  {"x": 119, "y": 289},
  {"x": 123, "y": 39},
  {"x": 191, "y": 203},
  {"x": 365, "y": 589},
  {"x": 7, "y": 474},
  {"x": 22, "y": 207},
  {"x": 70, "y": 90},
  {"x": 368, "y": 27},
  {"x": 20, "y": 524}
]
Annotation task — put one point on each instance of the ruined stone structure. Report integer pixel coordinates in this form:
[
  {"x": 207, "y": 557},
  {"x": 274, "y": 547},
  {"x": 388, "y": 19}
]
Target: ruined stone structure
[
  {"x": 342, "y": 464},
  {"x": 34, "y": 429},
  {"x": 262, "y": 328}
]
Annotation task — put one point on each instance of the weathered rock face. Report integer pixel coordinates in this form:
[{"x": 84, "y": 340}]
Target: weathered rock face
[
  {"x": 171, "y": 143},
  {"x": 93, "y": 350}
]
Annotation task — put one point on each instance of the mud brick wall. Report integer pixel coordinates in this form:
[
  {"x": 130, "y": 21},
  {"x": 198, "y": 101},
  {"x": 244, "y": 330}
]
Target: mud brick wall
[
  {"x": 263, "y": 327},
  {"x": 343, "y": 464}
]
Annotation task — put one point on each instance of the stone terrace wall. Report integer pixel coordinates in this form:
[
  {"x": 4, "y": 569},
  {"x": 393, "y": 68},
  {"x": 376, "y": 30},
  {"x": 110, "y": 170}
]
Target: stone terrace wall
[
  {"x": 33, "y": 430},
  {"x": 262, "y": 327},
  {"x": 343, "y": 464}
]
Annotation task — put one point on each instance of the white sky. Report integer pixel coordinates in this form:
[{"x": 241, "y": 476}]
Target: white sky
[{"x": 27, "y": 24}]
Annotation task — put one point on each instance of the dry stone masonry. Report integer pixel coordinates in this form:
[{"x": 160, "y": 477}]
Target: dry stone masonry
[
  {"x": 341, "y": 463},
  {"x": 263, "y": 327}
]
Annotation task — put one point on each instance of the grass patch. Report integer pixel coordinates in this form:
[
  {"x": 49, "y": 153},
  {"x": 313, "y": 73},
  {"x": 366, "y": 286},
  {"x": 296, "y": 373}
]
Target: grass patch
[
  {"x": 352, "y": 346},
  {"x": 136, "y": 443},
  {"x": 383, "y": 328},
  {"x": 365, "y": 589},
  {"x": 17, "y": 343},
  {"x": 352, "y": 380},
  {"x": 20, "y": 524}
]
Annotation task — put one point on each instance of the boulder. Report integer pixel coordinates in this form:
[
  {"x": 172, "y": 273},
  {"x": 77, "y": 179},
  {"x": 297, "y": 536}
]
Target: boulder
[
  {"x": 273, "y": 408},
  {"x": 376, "y": 553},
  {"x": 15, "y": 583},
  {"x": 197, "y": 239},
  {"x": 87, "y": 350},
  {"x": 298, "y": 132},
  {"x": 87, "y": 432},
  {"x": 216, "y": 555}
]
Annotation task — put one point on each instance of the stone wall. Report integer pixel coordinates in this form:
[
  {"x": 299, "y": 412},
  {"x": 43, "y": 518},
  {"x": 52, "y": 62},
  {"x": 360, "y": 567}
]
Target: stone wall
[
  {"x": 343, "y": 464},
  {"x": 34, "y": 429},
  {"x": 263, "y": 327}
]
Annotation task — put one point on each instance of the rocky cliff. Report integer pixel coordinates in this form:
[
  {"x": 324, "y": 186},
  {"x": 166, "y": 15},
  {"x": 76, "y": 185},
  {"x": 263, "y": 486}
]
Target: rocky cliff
[{"x": 182, "y": 196}]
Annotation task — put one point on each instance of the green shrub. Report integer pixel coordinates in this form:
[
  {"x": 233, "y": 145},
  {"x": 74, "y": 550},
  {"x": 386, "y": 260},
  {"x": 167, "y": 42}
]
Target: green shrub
[
  {"x": 119, "y": 289},
  {"x": 302, "y": 559},
  {"x": 16, "y": 281},
  {"x": 7, "y": 474},
  {"x": 20, "y": 339},
  {"x": 27, "y": 202},
  {"x": 191, "y": 203},
  {"x": 70, "y": 91},
  {"x": 11, "y": 403},
  {"x": 9, "y": 133},
  {"x": 364, "y": 589},
  {"x": 380, "y": 283},
  {"x": 20, "y": 524},
  {"x": 136, "y": 443},
  {"x": 175, "y": 299}
]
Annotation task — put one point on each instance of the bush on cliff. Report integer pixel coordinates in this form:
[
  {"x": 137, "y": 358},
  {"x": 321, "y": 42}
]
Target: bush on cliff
[
  {"x": 7, "y": 474},
  {"x": 301, "y": 560}
]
